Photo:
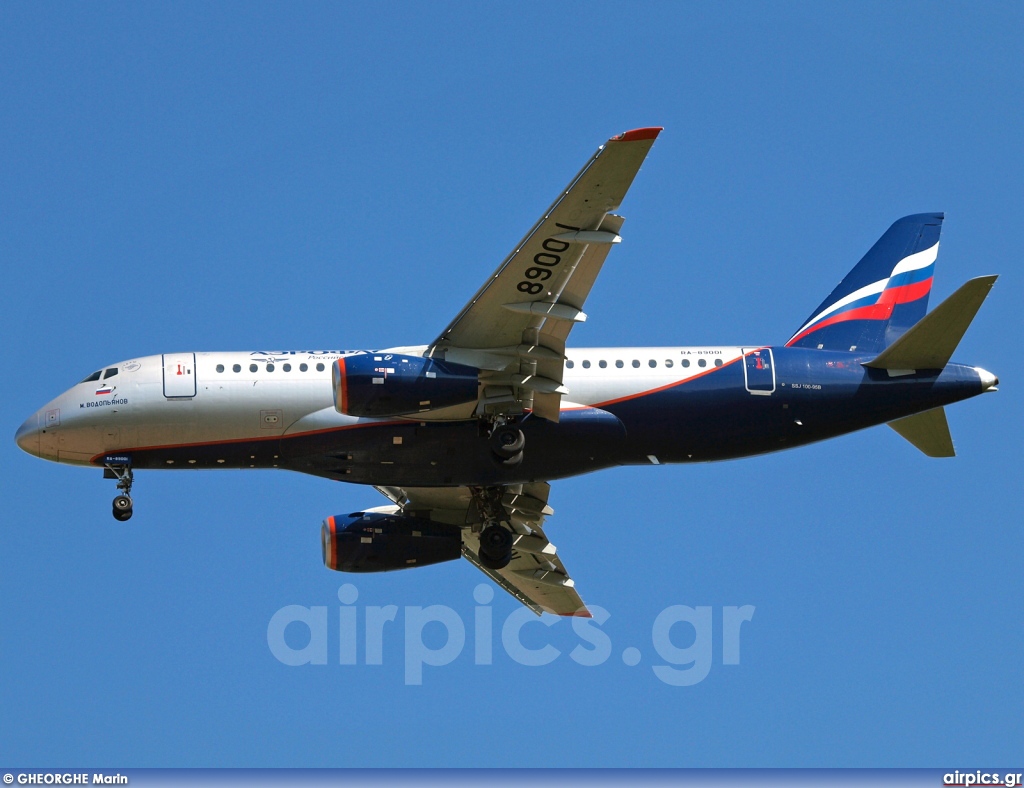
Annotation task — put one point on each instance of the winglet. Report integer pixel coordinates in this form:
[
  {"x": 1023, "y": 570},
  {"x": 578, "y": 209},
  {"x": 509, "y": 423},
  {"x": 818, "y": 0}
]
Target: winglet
[
  {"x": 930, "y": 342},
  {"x": 649, "y": 133}
]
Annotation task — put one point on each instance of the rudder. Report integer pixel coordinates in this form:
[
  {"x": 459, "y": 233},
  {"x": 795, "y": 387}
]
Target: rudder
[{"x": 885, "y": 294}]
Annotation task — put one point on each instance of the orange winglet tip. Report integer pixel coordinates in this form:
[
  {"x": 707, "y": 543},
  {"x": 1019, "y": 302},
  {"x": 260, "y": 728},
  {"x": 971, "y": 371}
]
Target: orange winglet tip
[{"x": 640, "y": 134}]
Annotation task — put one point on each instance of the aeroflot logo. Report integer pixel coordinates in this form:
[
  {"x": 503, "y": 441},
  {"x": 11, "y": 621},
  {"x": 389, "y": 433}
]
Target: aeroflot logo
[
  {"x": 303, "y": 352},
  {"x": 436, "y": 636}
]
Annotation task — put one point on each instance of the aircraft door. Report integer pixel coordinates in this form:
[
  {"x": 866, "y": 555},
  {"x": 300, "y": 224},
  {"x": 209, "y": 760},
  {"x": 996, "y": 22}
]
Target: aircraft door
[
  {"x": 179, "y": 375},
  {"x": 759, "y": 370}
]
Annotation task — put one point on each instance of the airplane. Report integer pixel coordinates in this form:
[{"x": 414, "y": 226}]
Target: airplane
[{"x": 464, "y": 435}]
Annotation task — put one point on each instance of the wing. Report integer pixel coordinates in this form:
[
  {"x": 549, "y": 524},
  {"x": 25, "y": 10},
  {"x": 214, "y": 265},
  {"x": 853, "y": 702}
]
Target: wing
[
  {"x": 516, "y": 325},
  {"x": 536, "y": 575}
]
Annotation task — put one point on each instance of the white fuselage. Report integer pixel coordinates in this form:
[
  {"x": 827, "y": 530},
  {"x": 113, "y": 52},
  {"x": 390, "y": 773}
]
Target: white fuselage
[{"x": 208, "y": 398}]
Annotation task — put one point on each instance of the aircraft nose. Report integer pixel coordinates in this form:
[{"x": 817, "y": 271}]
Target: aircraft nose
[{"x": 27, "y": 435}]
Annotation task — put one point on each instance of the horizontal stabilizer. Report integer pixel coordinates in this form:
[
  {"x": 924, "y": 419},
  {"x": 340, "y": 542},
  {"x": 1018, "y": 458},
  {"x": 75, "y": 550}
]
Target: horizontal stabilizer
[
  {"x": 931, "y": 341},
  {"x": 928, "y": 431}
]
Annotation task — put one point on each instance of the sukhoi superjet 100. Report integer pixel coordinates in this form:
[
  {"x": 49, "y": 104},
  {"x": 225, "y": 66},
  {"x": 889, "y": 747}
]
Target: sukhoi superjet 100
[{"x": 465, "y": 434}]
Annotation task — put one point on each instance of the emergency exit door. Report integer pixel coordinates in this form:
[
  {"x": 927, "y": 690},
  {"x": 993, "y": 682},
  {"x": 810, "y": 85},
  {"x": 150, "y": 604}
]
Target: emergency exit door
[
  {"x": 759, "y": 370},
  {"x": 179, "y": 375}
]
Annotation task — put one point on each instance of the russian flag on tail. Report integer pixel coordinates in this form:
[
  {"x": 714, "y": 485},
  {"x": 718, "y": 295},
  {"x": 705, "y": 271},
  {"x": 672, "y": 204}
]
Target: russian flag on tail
[{"x": 884, "y": 295}]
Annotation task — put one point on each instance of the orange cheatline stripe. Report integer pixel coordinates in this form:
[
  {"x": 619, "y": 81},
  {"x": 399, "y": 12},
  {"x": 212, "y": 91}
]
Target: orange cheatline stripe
[{"x": 666, "y": 386}]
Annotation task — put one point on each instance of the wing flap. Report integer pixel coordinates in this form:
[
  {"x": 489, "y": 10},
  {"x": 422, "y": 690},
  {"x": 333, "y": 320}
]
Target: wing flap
[
  {"x": 537, "y": 293},
  {"x": 536, "y": 575},
  {"x": 537, "y": 579}
]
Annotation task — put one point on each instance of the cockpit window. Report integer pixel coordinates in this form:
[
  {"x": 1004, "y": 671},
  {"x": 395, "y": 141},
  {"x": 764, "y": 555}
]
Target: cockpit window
[
  {"x": 110, "y": 373},
  {"x": 93, "y": 376}
]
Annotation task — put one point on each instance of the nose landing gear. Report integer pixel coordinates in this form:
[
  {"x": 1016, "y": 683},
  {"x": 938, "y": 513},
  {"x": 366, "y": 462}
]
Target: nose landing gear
[{"x": 123, "y": 502}]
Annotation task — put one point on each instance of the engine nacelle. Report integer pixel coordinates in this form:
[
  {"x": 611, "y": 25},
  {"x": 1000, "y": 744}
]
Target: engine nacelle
[
  {"x": 389, "y": 384},
  {"x": 378, "y": 542}
]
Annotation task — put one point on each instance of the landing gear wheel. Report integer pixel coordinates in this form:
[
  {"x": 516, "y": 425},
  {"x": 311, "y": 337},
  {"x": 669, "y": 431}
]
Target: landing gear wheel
[
  {"x": 507, "y": 442},
  {"x": 123, "y": 502},
  {"x": 495, "y": 547}
]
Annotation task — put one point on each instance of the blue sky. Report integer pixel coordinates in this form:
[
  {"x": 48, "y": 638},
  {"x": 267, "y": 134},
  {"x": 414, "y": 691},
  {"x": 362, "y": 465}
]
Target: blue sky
[{"x": 253, "y": 176}]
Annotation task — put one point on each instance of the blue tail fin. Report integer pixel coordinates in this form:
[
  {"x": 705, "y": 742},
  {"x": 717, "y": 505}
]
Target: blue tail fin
[{"x": 884, "y": 295}]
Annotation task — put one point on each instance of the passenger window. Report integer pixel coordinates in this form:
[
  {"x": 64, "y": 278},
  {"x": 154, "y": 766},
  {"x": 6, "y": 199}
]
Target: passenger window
[
  {"x": 652, "y": 363},
  {"x": 686, "y": 362},
  {"x": 220, "y": 367},
  {"x": 253, "y": 367},
  {"x": 602, "y": 363},
  {"x": 570, "y": 364},
  {"x": 270, "y": 367},
  {"x": 110, "y": 373},
  {"x": 703, "y": 362},
  {"x": 586, "y": 365},
  {"x": 668, "y": 362},
  {"x": 236, "y": 368},
  {"x": 718, "y": 362},
  {"x": 93, "y": 376},
  {"x": 287, "y": 367},
  {"x": 303, "y": 367},
  {"x": 619, "y": 363},
  {"x": 320, "y": 367},
  {"x": 636, "y": 364}
]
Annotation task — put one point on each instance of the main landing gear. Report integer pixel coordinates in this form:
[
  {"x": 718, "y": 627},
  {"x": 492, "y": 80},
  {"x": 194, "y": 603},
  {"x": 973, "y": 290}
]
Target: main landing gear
[
  {"x": 507, "y": 442},
  {"x": 496, "y": 537},
  {"x": 495, "y": 546},
  {"x": 123, "y": 501}
]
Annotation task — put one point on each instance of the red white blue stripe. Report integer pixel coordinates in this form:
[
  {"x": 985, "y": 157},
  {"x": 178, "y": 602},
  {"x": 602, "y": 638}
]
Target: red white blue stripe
[{"x": 910, "y": 280}]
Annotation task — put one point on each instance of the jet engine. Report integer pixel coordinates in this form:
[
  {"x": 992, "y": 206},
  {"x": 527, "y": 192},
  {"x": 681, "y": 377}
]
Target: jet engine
[
  {"x": 380, "y": 542},
  {"x": 389, "y": 384}
]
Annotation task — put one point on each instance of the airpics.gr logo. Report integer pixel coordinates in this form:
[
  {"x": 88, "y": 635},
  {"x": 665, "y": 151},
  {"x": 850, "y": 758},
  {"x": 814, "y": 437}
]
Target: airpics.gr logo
[
  {"x": 982, "y": 778},
  {"x": 299, "y": 635}
]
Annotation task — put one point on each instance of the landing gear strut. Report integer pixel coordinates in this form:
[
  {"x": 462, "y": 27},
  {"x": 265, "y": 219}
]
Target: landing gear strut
[{"x": 123, "y": 501}]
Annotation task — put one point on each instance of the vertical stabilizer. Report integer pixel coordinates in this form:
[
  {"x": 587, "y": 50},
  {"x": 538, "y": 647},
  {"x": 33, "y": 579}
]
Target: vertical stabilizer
[{"x": 884, "y": 295}]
